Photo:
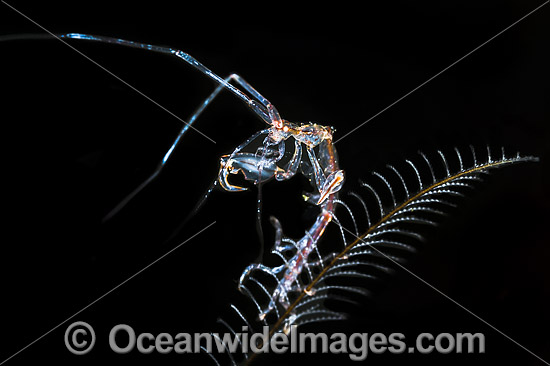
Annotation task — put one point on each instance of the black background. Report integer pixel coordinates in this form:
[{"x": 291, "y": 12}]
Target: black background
[{"x": 76, "y": 141}]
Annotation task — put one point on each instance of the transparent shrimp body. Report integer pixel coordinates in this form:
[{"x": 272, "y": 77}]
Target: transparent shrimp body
[
  {"x": 320, "y": 168},
  {"x": 262, "y": 165}
]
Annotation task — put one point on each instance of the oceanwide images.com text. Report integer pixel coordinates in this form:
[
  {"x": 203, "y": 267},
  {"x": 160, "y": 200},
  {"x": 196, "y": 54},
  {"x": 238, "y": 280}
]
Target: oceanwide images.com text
[{"x": 80, "y": 339}]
